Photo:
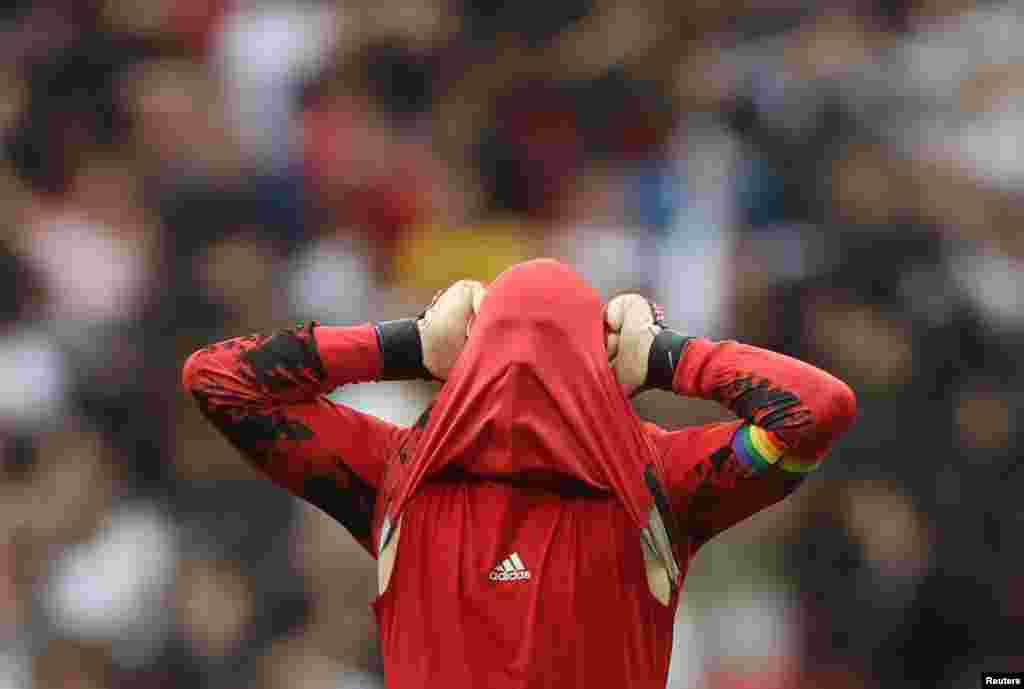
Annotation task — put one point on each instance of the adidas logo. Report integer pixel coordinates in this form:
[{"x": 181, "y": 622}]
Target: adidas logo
[{"x": 510, "y": 569}]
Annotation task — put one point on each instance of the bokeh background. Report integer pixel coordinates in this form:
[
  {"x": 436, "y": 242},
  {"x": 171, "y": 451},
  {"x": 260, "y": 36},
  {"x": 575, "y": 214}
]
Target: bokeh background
[{"x": 840, "y": 181}]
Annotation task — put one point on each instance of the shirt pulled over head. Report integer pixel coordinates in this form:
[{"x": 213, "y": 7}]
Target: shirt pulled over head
[{"x": 532, "y": 396}]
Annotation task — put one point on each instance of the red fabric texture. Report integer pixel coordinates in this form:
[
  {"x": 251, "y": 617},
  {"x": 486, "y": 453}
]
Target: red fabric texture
[{"x": 584, "y": 618}]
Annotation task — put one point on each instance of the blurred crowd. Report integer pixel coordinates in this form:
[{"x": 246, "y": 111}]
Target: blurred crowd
[{"x": 841, "y": 181}]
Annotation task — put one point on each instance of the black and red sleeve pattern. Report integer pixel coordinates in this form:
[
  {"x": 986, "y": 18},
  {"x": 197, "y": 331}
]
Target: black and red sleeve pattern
[
  {"x": 798, "y": 410},
  {"x": 266, "y": 395},
  {"x": 790, "y": 415}
]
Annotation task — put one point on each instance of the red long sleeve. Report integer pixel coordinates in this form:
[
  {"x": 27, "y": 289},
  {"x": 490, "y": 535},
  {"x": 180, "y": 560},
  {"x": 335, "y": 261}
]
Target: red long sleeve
[
  {"x": 803, "y": 406},
  {"x": 791, "y": 415},
  {"x": 289, "y": 366},
  {"x": 266, "y": 395}
]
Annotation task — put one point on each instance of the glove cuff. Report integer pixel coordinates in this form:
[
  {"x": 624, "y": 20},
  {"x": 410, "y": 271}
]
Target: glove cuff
[
  {"x": 666, "y": 352},
  {"x": 401, "y": 350}
]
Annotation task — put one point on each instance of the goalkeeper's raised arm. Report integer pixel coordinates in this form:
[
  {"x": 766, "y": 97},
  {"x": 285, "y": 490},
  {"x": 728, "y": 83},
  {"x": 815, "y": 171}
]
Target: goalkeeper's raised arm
[
  {"x": 267, "y": 395},
  {"x": 790, "y": 415}
]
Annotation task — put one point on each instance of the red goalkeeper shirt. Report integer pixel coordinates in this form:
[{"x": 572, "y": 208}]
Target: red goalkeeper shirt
[{"x": 504, "y": 580}]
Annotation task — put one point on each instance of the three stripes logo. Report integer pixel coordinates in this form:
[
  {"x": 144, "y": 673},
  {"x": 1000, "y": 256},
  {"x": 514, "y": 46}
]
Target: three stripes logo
[{"x": 510, "y": 569}]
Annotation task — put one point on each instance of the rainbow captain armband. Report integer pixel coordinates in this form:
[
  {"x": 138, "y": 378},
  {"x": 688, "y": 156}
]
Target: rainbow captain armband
[{"x": 760, "y": 449}]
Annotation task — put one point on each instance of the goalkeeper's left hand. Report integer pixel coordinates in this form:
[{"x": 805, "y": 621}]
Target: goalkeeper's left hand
[{"x": 631, "y": 322}]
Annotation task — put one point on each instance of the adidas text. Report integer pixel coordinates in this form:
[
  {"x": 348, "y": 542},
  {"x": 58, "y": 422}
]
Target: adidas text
[{"x": 508, "y": 576}]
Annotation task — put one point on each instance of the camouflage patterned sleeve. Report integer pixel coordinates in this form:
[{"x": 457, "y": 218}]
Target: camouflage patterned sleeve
[
  {"x": 790, "y": 416},
  {"x": 794, "y": 412},
  {"x": 265, "y": 394}
]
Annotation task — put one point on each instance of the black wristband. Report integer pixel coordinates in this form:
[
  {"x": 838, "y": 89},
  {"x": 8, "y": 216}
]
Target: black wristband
[
  {"x": 401, "y": 350},
  {"x": 666, "y": 351}
]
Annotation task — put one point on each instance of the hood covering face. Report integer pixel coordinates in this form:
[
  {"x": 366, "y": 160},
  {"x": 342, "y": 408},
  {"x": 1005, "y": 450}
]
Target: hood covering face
[{"x": 533, "y": 394}]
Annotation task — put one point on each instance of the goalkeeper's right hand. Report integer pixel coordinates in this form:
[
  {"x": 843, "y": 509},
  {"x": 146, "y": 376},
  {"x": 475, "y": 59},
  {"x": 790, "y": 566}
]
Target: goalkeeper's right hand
[{"x": 444, "y": 326}]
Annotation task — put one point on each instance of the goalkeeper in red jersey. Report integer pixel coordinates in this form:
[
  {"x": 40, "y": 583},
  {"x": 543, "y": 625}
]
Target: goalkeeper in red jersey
[{"x": 530, "y": 530}]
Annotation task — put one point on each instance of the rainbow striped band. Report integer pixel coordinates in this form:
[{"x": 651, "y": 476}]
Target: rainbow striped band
[{"x": 760, "y": 449}]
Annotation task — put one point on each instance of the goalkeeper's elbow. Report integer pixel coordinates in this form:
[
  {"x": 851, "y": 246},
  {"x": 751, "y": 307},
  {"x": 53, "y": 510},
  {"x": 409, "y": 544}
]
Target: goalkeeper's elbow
[{"x": 841, "y": 407}]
